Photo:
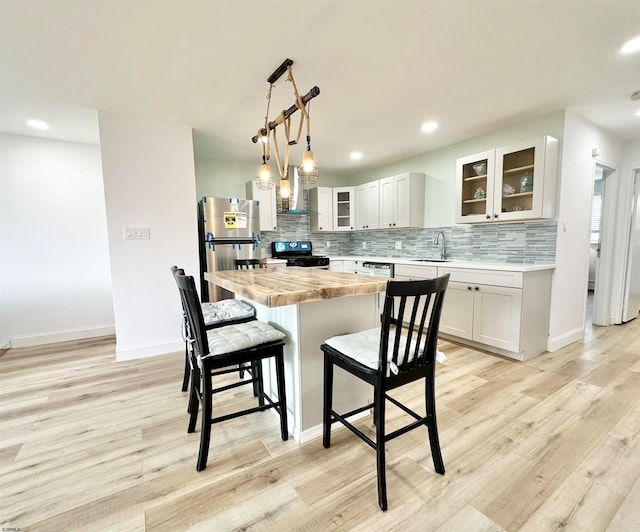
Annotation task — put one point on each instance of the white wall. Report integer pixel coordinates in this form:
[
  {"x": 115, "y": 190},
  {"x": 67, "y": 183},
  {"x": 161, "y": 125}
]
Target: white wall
[
  {"x": 149, "y": 180},
  {"x": 569, "y": 288},
  {"x": 55, "y": 281}
]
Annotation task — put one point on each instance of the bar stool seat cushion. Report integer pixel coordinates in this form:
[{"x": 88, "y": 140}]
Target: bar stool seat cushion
[
  {"x": 241, "y": 336},
  {"x": 364, "y": 347},
  {"x": 226, "y": 310}
]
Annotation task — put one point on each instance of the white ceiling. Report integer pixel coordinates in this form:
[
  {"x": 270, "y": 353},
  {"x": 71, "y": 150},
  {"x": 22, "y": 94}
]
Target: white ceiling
[{"x": 383, "y": 68}]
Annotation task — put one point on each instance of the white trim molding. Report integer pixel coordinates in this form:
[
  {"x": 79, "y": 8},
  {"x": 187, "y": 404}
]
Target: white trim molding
[
  {"x": 144, "y": 351},
  {"x": 62, "y": 336},
  {"x": 558, "y": 342}
]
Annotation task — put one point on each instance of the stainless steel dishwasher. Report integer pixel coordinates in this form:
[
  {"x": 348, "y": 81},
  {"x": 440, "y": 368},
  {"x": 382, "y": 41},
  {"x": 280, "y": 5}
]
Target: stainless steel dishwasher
[{"x": 379, "y": 269}]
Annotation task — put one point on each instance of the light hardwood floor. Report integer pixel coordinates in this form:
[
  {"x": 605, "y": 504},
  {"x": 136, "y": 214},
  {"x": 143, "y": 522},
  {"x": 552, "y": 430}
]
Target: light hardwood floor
[{"x": 553, "y": 443}]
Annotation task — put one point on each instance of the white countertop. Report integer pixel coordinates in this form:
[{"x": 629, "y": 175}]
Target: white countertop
[{"x": 476, "y": 265}]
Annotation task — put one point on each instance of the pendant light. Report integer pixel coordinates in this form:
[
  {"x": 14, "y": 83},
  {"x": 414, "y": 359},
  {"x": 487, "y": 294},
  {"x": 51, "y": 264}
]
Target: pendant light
[
  {"x": 264, "y": 181},
  {"x": 308, "y": 171}
]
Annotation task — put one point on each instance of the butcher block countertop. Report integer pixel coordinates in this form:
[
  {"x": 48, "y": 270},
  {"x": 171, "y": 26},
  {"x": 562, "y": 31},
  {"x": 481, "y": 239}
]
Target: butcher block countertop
[{"x": 294, "y": 285}]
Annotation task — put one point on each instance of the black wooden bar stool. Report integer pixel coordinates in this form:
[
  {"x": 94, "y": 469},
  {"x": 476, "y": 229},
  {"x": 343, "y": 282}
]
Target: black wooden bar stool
[
  {"x": 215, "y": 314},
  {"x": 402, "y": 350},
  {"x": 220, "y": 351}
]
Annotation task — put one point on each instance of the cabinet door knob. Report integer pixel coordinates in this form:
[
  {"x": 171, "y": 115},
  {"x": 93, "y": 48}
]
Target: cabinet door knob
[
  {"x": 477, "y": 288},
  {"x": 495, "y": 215},
  {"x": 468, "y": 287},
  {"x": 488, "y": 217}
]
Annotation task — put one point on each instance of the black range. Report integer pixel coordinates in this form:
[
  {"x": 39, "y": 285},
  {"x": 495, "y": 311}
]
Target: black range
[{"x": 298, "y": 253}]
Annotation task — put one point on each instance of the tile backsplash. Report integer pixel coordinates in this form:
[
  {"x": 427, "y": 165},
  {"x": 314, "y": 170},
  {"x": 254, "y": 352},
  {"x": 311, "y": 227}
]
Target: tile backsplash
[{"x": 517, "y": 242}]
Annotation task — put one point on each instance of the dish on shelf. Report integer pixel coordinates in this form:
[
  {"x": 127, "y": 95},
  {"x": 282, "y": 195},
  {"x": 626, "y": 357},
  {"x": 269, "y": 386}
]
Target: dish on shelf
[
  {"x": 507, "y": 189},
  {"x": 480, "y": 193},
  {"x": 480, "y": 168},
  {"x": 526, "y": 183}
]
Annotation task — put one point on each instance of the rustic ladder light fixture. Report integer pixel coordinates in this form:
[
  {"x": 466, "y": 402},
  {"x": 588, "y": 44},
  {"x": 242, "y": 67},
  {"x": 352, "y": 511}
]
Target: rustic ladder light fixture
[{"x": 308, "y": 172}]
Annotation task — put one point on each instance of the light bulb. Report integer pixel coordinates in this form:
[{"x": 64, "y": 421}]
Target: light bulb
[
  {"x": 265, "y": 173},
  {"x": 285, "y": 190},
  {"x": 308, "y": 164},
  {"x": 429, "y": 127},
  {"x": 631, "y": 46},
  {"x": 37, "y": 124}
]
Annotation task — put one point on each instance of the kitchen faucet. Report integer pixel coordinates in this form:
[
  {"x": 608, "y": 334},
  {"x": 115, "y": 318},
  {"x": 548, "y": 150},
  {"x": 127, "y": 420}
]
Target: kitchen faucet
[{"x": 436, "y": 240}]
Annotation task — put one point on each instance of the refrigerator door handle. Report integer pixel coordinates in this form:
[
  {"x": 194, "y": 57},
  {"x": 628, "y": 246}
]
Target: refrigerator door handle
[{"x": 231, "y": 240}]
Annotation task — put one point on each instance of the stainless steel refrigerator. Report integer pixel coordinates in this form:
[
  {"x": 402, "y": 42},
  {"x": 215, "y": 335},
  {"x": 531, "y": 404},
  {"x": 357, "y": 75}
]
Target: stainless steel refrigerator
[{"x": 228, "y": 229}]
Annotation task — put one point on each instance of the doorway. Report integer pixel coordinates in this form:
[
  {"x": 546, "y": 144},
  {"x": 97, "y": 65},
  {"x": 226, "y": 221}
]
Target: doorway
[
  {"x": 601, "y": 256},
  {"x": 631, "y": 294}
]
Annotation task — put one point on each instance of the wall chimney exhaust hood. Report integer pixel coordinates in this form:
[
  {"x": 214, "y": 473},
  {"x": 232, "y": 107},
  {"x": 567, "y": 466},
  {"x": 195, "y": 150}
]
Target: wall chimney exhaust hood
[{"x": 297, "y": 202}]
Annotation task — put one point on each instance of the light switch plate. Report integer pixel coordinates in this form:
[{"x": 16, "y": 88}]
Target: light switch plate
[
  {"x": 137, "y": 233},
  {"x": 398, "y": 244}
]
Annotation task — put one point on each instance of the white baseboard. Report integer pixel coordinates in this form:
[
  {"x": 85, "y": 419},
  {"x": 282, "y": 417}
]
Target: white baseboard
[
  {"x": 61, "y": 336},
  {"x": 557, "y": 342},
  {"x": 144, "y": 351},
  {"x": 316, "y": 432}
]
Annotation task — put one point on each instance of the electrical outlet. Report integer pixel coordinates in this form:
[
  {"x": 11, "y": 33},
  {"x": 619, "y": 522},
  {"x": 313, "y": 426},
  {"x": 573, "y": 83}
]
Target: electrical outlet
[
  {"x": 364, "y": 245},
  {"x": 137, "y": 233},
  {"x": 398, "y": 244},
  {"x": 328, "y": 244}
]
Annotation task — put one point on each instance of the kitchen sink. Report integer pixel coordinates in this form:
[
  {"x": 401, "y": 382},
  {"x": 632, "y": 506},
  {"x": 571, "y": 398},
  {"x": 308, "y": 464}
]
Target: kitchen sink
[{"x": 431, "y": 260}]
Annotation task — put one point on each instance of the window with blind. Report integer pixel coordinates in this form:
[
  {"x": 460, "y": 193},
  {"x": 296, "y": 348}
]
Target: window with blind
[{"x": 596, "y": 211}]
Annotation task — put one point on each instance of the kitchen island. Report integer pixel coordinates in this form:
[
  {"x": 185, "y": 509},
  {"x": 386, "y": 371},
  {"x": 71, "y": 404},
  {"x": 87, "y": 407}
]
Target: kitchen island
[{"x": 310, "y": 305}]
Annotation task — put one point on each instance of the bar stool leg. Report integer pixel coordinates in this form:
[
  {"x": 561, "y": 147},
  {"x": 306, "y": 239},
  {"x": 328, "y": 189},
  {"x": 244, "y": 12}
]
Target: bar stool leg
[
  {"x": 207, "y": 414},
  {"x": 282, "y": 397}
]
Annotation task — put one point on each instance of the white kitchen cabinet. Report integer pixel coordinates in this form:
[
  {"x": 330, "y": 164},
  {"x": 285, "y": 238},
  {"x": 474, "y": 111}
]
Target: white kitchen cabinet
[
  {"x": 321, "y": 206},
  {"x": 336, "y": 265},
  {"x": 410, "y": 272},
  {"x": 414, "y": 271},
  {"x": 352, "y": 266},
  {"x": 402, "y": 200},
  {"x": 516, "y": 182},
  {"x": 500, "y": 311},
  {"x": 343, "y": 209},
  {"x": 497, "y": 314},
  {"x": 267, "y": 205},
  {"x": 367, "y": 198},
  {"x": 486, "y": 314},
  {"x": 457, "y": 312}
]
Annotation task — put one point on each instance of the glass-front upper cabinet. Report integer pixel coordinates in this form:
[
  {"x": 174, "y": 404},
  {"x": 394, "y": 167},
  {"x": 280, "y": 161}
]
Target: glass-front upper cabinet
[
  {"x": 516, "y": 182},
  {"x": 343, "y": 211},
  {"x": 474, "y": 181}
]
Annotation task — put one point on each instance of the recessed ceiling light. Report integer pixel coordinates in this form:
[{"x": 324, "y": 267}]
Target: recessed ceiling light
[
  {"x": 638, "y": 112},
  {"x": 37, "y": 124},
  {"x": 356, "y": 155},
  {"x": 631, "y": 46},
  {"x": 429, "y": 127}
]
